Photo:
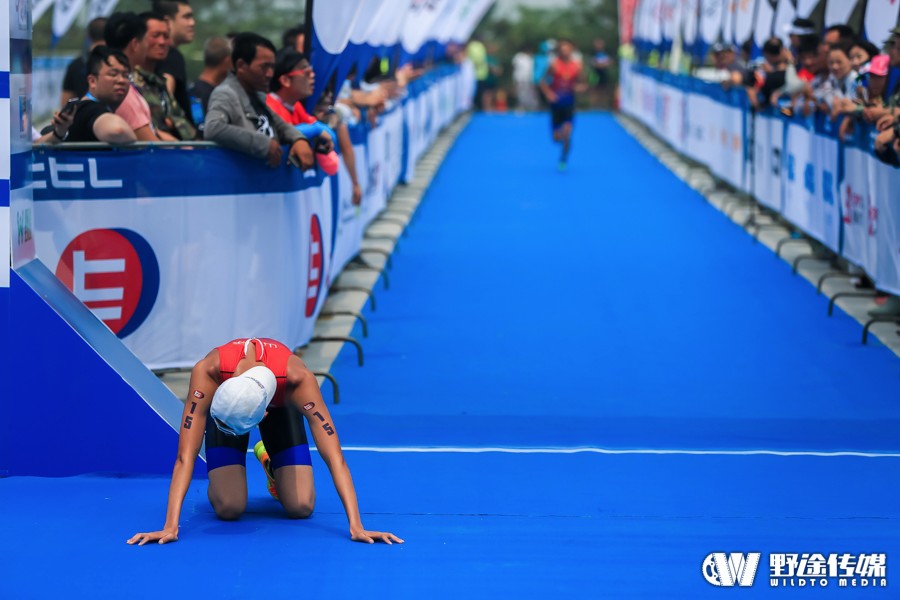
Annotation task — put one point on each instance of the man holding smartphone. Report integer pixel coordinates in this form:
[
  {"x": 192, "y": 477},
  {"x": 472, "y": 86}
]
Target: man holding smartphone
[{"x": 91, "y": 118}]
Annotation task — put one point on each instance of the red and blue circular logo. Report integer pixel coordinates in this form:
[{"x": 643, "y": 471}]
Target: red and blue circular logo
[
  {"x": 114, "y": 272},
  {"x": 316, "y": 266}
]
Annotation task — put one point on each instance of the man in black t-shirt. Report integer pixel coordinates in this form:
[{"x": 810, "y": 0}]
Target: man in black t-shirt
[
  {"x": 216, "y": 66},
  {"x": 94, "y": 119},
  {"x": 180, "y": 17},
  {"x": 75, "y": 81}
]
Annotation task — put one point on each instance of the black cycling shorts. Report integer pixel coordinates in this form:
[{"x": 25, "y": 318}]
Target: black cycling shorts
[{"x": 282, "y": 432}]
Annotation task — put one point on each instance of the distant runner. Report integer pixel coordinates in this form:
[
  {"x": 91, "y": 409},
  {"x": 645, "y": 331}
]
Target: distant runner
[{"x": 559, "y": 85}]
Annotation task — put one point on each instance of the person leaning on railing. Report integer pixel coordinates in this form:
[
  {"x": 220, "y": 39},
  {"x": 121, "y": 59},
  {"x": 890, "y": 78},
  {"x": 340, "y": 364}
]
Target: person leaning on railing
[
  {"x": 887, "y": 119},
  {"x": 883, "y": 116},
  {"x": 238, "y": 117},
  {"x": 91, "y": 118},
  {"x": 169, "y": 119},
  {"x": 871, "y": 83}
]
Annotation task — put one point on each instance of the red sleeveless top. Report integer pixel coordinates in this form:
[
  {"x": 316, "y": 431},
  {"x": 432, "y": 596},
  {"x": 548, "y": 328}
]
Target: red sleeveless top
[{"x": 272, "y": 353}]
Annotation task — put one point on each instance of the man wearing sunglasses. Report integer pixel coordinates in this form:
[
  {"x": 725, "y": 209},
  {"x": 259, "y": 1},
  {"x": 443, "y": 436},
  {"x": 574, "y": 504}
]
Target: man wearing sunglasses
[
  {"x": 292, "y": 83},
  {"x": 237, "y": 386}
]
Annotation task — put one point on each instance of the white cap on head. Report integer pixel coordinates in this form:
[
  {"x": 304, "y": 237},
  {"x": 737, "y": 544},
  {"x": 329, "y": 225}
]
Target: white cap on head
[{"x": 240, "y": 403}]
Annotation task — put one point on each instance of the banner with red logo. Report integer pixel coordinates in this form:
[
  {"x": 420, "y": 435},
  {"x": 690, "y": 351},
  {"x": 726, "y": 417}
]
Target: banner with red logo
[
  {"x": 859, "y": 214},
  {"x": 174, "y": 275},
  {"x": 884, "y": 181}
]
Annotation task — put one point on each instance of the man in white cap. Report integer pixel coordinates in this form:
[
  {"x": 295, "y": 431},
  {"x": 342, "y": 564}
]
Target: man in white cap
[{"x": 237, "y": 386}]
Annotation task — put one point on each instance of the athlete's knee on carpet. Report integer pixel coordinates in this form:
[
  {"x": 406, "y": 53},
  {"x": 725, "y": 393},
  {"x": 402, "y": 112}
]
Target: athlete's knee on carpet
[
  {"x": 228, "y": 509},
  {"x": 299, "y": 509}
]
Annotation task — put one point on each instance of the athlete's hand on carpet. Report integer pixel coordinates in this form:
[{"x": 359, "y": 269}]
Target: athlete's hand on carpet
[
  {"x": 162, "y": 537},
  {"x": 370, "y": 537}
]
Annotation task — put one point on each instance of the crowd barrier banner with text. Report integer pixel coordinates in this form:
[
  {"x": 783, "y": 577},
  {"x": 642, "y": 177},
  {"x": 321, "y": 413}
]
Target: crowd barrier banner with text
[{"x": 836, "y": 192}]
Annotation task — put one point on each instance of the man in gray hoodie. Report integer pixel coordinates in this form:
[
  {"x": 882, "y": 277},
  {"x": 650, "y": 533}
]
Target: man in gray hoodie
[{"x": 238, "y": 117}]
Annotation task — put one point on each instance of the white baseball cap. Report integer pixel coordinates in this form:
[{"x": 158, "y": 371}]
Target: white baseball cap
[{"x": 240, "y": 403}]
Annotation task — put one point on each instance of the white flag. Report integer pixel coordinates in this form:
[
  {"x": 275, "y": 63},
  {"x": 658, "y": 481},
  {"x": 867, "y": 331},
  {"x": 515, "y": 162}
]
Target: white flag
[
  {"x": 837, "y": 12},
  {"x": 64, "y": 14},
  {"x": 101, "y": 8},
  {"x": 39, "y": 8},
  {"x": 881, "y": 17}
]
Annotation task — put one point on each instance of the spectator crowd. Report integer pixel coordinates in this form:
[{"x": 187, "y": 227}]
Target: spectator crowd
[
  {"x": 250, "y": 96},
  {"x": 837, "y": 73}
]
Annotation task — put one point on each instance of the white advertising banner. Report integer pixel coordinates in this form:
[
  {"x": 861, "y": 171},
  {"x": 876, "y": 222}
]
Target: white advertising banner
[
  {"x": 727, "y": 149},
  {"x": 884, "y": 182},
  {"x": 233, "y": 265},
  {"x": 349, "y": 224},
  {"x": 767, "y": 169},
  {"x": 374, "y": 198},
  {"x": 393, "y": 146},
  {"x": 858, "y": 211},
  {"x": 670, "y": 116},
  {"x": 696, "y": 133},
  {"x": 810, "y": 190}
]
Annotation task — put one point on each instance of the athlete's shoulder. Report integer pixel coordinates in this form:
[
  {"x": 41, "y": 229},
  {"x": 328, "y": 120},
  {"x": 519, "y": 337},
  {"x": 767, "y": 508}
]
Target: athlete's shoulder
[{"x": 209, "y": 364}]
